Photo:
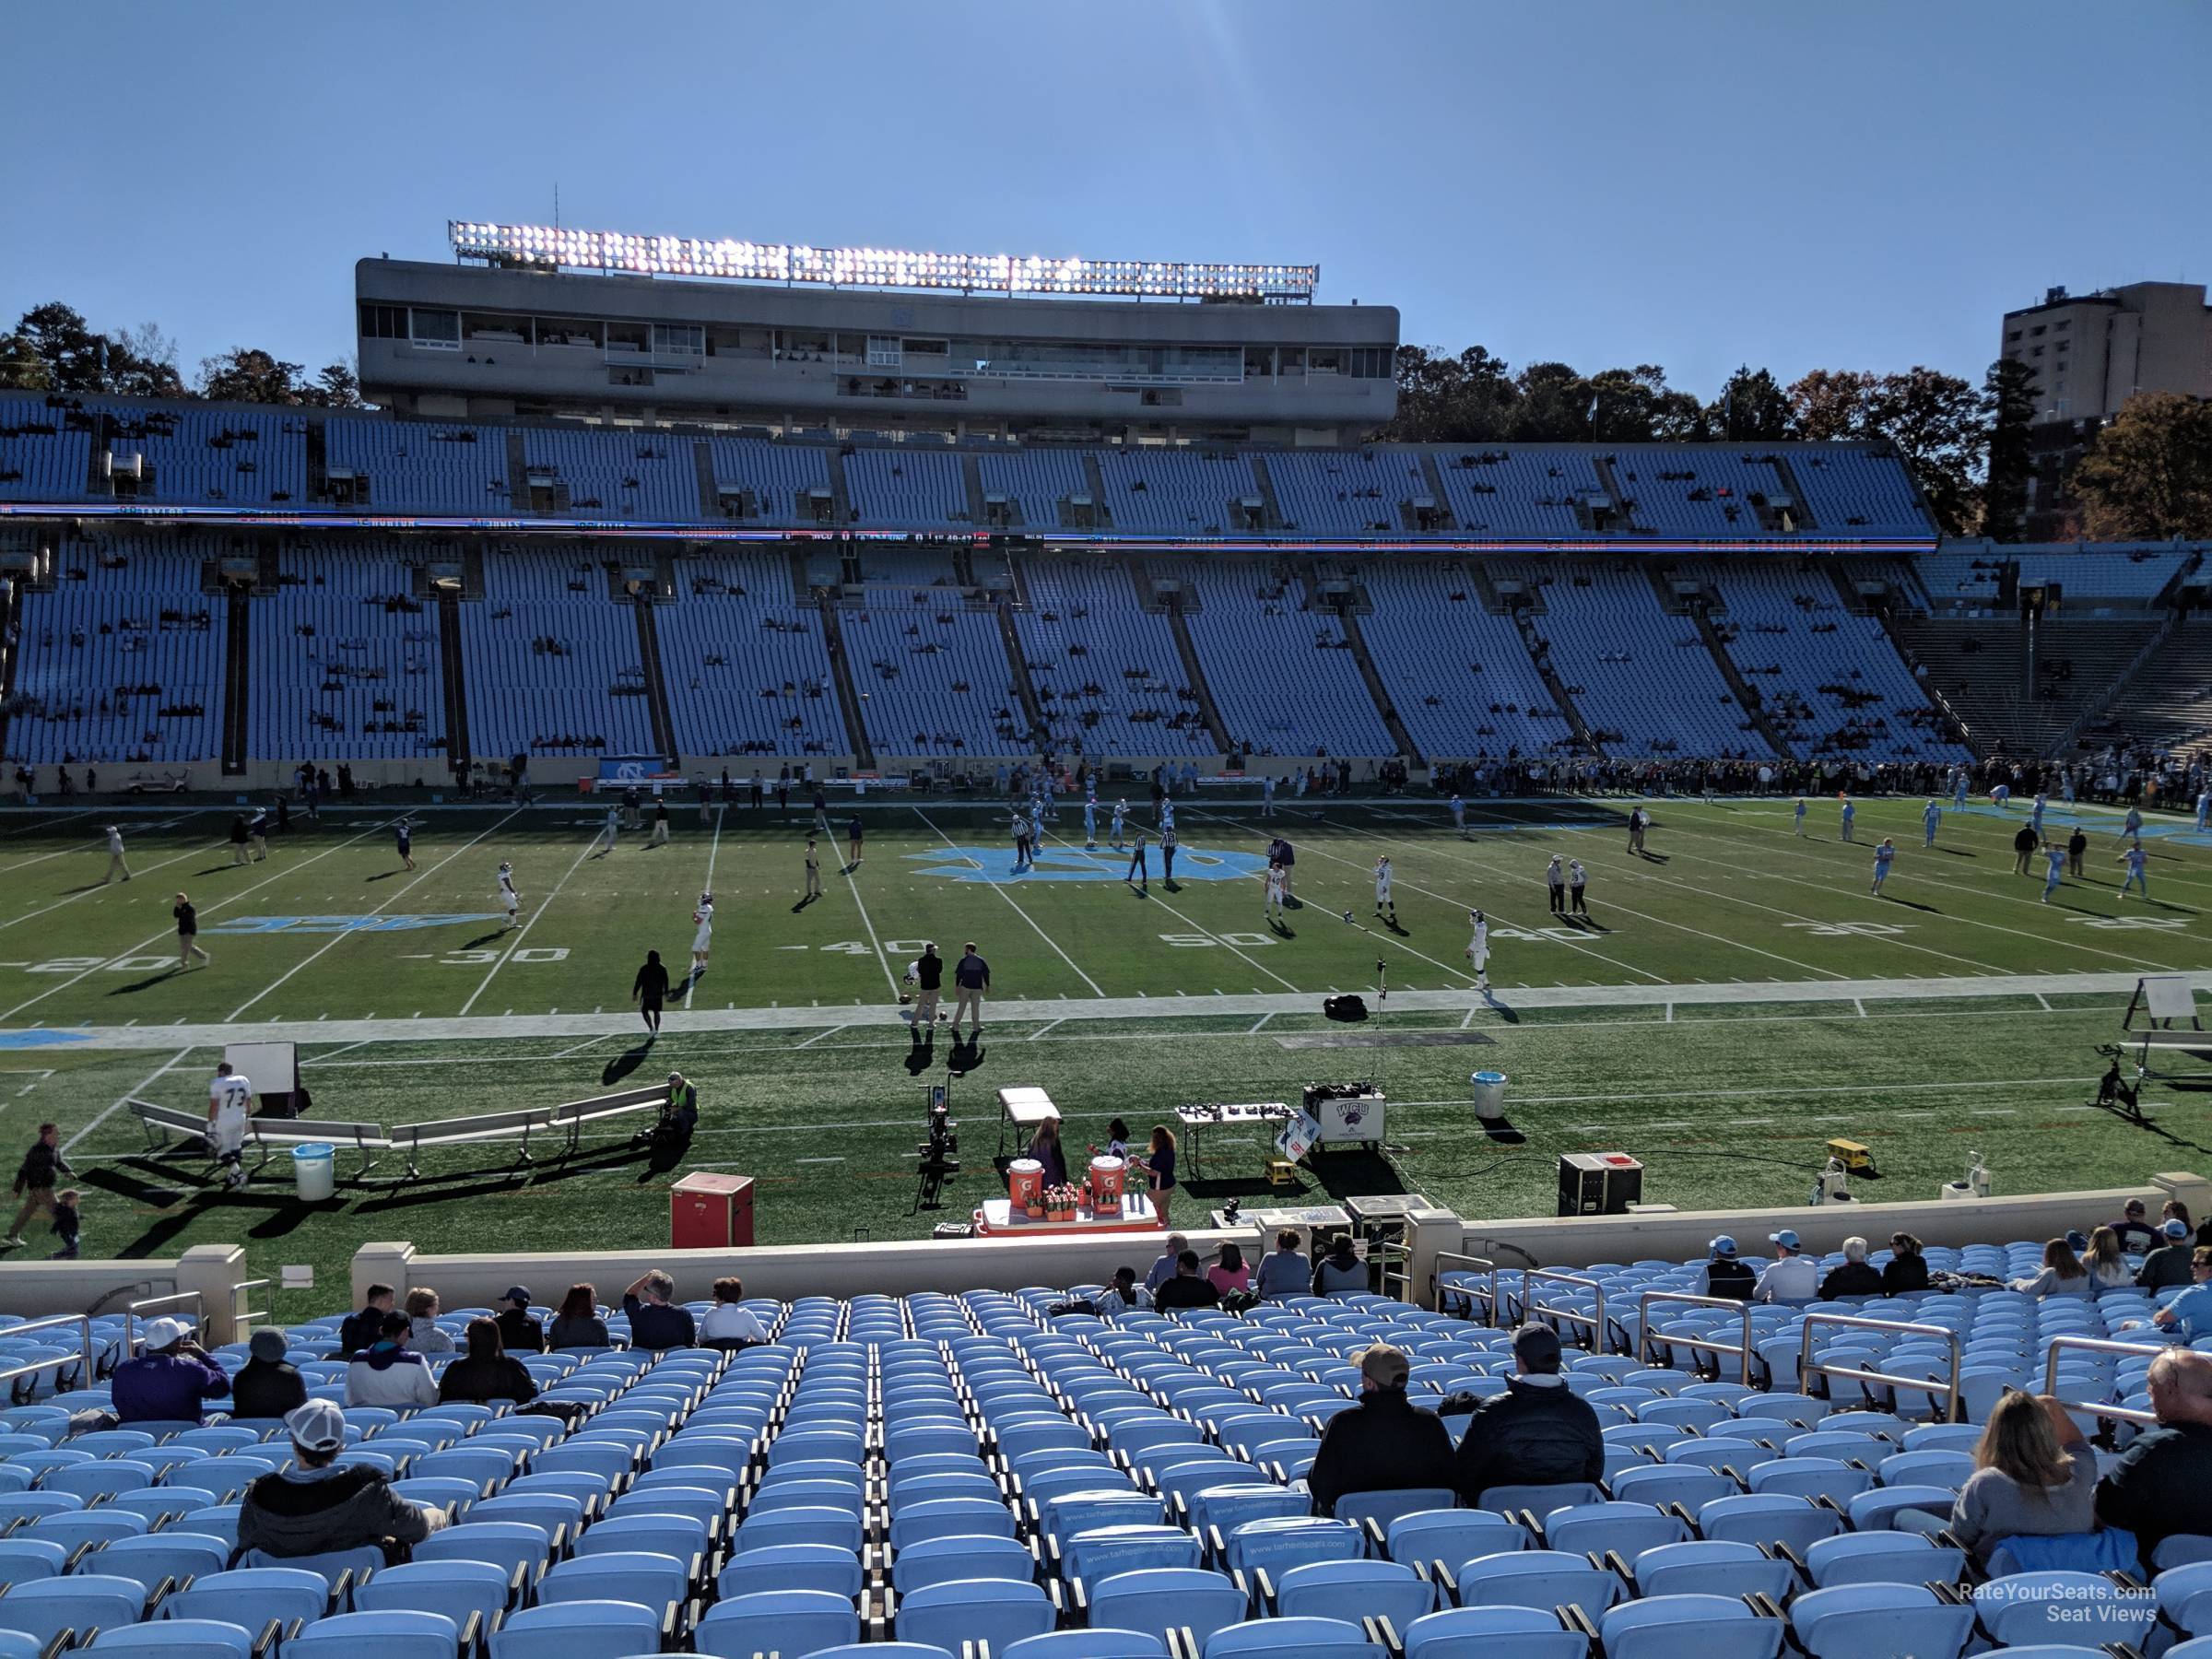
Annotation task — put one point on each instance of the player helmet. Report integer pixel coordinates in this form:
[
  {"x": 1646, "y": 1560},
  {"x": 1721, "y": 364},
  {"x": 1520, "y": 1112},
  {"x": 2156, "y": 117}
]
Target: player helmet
[
  {"x": 505, "y": 865},
  {"x": 706, "y": 897}
]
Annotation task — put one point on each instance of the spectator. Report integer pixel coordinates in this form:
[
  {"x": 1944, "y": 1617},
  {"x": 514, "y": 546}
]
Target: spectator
[
  {"x": 1163, "y": 1269},
  {"x": 577, "y": 1324},
  {"x": 167, "y": 1380},
  {"x": 1044, "y": 1146},
  {"x": 389, "y": 1372},
  {"x": 363, "y": 1328},
  {"x": 1383, "y": 1444},
  {"x": 1284, "y": 1270},
  {"x": 266, "y": 1386},
  {"x": 487, "y": 1371},
  {"x": 2108, "y": 1270},
  {"x": 518, "y": 1332},
  {"x": 1727, "y": 1275},
  {"x": 423, "y": 1334},
  {"x": 1341, "y": 1271},
  {"x": 654, "y": 1322},
  {"x": 1851, "y": 1276},
  {"x": 2135, "y": 1234},
  {"x": 2173, "y": 1209},
  {"x": 34, "y": 1179},
  {"x": 1229, "y": 1274},
  {"x": 1186, "y": 1289},
  {"x": 2034, "y": 1474},
  {"x": 2189, "y": 1315},
  {"x": 69, "y": 1224},
  {"x": 1793, "y": 1278},
  {"x": 1907, "y": 1268},
  {"x": 2162, "y": 1484},
  {"x": 1538, "y": 1432},
  {"x": 316, "y": 1508},
  {"x": 2168, "y": 1265},
  {"x": 2062, "y": 1273},
  {"x": 729, "y": 1322},
  {"x": 1123, "y": 1292}
]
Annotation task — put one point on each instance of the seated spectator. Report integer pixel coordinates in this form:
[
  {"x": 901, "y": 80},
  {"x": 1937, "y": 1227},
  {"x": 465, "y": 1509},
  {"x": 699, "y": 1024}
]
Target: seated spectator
[
  {"x": 390, "y": 1373},
  {"x": 1163, "y": 1269},
  {"x": 1383, "y": 1444},
  {"x": 1725, "y": 1275},
  {"x": 487, "y": 1371},
  {"x": 729, "y": 1322},
  {"x": 1907, "y": 1268},
  {"x": 2189, "y": 1315},
  {"x": 167, "y": 1380},
  {"x": 577, "y": 1324},
  {"x": 2108, "y": 1270},
  {"x": 519, "y": 1332},
  {"x": 1794, "y": 1276},
  {"x": 1854, "y": 1275},
  {"x": 266, "y": 1386},
  {"x": 1186, "y": 1289},
  {"x": 1229, "y": 1274},
  {"x": 423, "y": 1334},
  {"x": 2062, "y": 1273},
  {"x": 1341, "y": 1271},
  {"x": 2168, "y": 1265},
  {"x": 654, "y": 1322},
  {"x": 1124, "y": 1292},
  {"x": 2162, "y": 1484},
  {"x": 316, "y": 1508},
  {"x": 1284, "y": 1270},
  {"x": 2135, "y": 1234},
  {"x": 1539, "y": 1433},
  {"x": 363, "y": 1328},
  {"x": 2034, "y": 1476}
]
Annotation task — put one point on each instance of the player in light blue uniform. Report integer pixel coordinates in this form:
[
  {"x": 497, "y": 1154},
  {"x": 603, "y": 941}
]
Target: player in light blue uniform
[
  {"x": 1459, "y": 816},
  {"x": 2204, "y": 810},
  {"x": 1958, "y": 790},
  {"x": 2132, "y": 829},
  {"x": 2001, "y": 797},
  {"x": 2055, "y": 857},
  {"x": 2066, "y": 784},
  {"x": 1090, "y": 822},
  {"x": 1267, "y": 795},
  {"x": 2035, "y": 818},
  {"x": 2138, "y": 874},
  {"x": 1167, "y": 815},
  {"x": 1850, "y": 814},
  {"x": 1798, "y": 817},
  {"x": 1884, "y": 855},
  {"x": 1930, "y": 816}
]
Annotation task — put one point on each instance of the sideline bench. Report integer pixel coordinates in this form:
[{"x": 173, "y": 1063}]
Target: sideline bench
[{"x": 164, "y": 1125}]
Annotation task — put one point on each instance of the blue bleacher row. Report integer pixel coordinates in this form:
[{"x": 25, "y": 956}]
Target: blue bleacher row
[{"x": 917, "y": 1477}]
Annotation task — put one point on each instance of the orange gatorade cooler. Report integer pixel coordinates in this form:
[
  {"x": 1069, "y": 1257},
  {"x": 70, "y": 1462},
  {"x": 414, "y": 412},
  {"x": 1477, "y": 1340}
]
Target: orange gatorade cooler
[
  {"x": 1106, "y": 1175},
  {"x": 1024, "y": 1184}
]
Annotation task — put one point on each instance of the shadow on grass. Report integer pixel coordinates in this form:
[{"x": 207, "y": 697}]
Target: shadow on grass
[
  {"x": 147, "y": 984},
  {"x": 628, "y": 1061}
]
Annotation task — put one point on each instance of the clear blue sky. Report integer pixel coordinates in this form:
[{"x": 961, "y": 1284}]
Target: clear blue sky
[{"x": 1863, "y": 185}]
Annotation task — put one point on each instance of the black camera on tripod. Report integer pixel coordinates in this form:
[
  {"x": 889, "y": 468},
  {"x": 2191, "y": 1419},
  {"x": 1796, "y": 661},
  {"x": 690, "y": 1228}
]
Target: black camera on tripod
[{"x": 938, "y": 1154}]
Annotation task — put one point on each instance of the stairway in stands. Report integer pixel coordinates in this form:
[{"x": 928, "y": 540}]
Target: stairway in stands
[
  {"x": 1539, "y": 655},
  {"x": 1017, "y": 667},
  {"x": 1271, "y": 509},
  {"x": 1187, "y": 648},
  {"x": 840, "y": 672},
  {"x": 1747, "y": 696},
  {"x": 237, "y": 664},
  {"x": 657, "y": 687},
  {"x": 11, "y": 610},
  {"x": 1383, "y": 706},
  {"x": 451, "y": 659}
]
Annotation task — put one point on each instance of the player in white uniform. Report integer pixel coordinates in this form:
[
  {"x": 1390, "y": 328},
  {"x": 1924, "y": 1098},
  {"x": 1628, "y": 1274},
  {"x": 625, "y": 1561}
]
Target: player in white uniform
[
  {"x": 2204, "y": 809},
  {"x": 230, "y": 1098},
  {"x": 117, "y": 867},
  {"x": 1090, "y": 823},
  {"x": 609, "y": 831},
  {"x": 1121, "y": 814},
  {"x": 1930, "y": 817},
  {"x": 1479, "y": 948},
  {"x": 1274, "y": 892},
  {"x": 702, "y": 938},
  {"x": 1167, "y": 815},
  {"x": 1459, "y": 816},
  {"x": 1382, "y": 899},
  {"x": 507, "y": 896}
]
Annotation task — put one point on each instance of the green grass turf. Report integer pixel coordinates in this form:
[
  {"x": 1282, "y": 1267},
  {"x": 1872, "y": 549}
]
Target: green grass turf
[{"x": 1728, "y": 1104}]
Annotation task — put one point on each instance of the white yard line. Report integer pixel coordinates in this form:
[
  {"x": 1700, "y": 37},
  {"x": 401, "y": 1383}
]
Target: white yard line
[
  {"x": 339, "y": 938},
  {"x": 524, "y": 932},
  {"x": 810, "y": 1042},
  {"x": 116, "y": 1105},
  {"x": 1096, "y": 990},
  {"x": 875, "y": 944},
  {"x": 139, "y": 874},
  {"x": 343, "y": 1048}
]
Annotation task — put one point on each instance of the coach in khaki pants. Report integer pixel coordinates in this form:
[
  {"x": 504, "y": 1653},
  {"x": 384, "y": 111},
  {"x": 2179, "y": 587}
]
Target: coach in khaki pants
[
  {"x": 970, "y": 978},
  {"x": 926, "y": 973}
]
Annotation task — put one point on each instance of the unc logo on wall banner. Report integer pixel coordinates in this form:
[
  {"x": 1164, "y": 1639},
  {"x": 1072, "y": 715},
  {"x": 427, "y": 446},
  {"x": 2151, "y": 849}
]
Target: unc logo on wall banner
[{"x": 636, "y": 768}]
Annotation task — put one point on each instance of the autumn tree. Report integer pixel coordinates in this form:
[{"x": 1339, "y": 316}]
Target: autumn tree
[{"x": 2148, "y": 475}]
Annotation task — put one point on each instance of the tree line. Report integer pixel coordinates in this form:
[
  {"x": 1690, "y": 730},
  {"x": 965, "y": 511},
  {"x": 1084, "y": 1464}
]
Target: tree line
[{"x": 52, "y": 348}]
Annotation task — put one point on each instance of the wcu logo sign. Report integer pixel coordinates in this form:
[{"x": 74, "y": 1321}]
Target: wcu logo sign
[
  {"x": 329, "y": 924},
  {"x": 994, "y": 865}
]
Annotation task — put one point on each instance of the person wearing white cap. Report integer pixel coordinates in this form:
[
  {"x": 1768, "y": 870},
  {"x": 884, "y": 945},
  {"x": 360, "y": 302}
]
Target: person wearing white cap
[
  {"x": 167, "y": 1380},
  {"x": 1792, "y": 1276},
  {"x": 315, "y": 1507}
]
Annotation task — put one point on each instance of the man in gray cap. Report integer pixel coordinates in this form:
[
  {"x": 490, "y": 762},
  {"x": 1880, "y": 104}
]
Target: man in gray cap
[
  {"x": 1538, "y": 1432},
  {"x": 266, "y": 1386},
  {"x": 518, "y": 1332},
  {"x": 317, "y": 1508}
]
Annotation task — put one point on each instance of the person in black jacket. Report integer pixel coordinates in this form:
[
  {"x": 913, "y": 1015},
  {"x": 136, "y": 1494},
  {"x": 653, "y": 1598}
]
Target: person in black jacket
[
  {"x": 1854, "y": 1275},
  {"x": 1727, "y": 1274},
  {"x": 2162, "y": 1484},
  {"x": 1385, "y": 1443},
  {"x": 266, "y": 1386},
  {"x": 34, "y": 1179},
  {"x": 360, "y": 1331},
  {"x": 1536, "y": 1433},
  {"x": 486, "y": 1372},
  {"x": 1907, "y": 1268},
  {"x": 650, "y": 990},
  {"x": 1186, "y": 1289},
  {"x": 926, "y": 973},
  {"x": 518, "y": 1331}
]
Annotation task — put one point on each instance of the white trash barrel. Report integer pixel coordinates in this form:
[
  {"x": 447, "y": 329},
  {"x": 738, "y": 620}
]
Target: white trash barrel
[
  {"x": 314, "y": 1170},
  {"x": 1489, "y": 1095}
]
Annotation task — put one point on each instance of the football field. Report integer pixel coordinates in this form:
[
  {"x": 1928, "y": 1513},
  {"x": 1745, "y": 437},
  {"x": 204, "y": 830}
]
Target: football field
[{"x": 1735, "y": 996}]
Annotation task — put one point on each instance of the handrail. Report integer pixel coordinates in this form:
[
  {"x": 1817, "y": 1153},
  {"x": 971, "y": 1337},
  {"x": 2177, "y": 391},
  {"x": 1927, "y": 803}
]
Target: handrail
[
  {"x": 1438, "y": 1289},
  {"x": 241, "y": 1318},
  {"x": 147, "y": 1304},
  {"x": 1597, "y": 1321},
  {"x": 2100, "y": 1345},
  {"x": 86, "y": 1355},
  {"x": 1807, "y": 1369},
  {"x": 1735, "y": 1304}
]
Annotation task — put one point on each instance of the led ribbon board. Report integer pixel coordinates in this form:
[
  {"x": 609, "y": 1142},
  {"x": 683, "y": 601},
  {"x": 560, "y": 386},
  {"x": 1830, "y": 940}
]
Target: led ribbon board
[{"x": 562, "y": 247}]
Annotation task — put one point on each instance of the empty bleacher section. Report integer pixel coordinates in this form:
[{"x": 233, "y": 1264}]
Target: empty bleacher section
[
  {"x": 45, "y": 450},
  {"x": 1178, "y": 492},
  {"x": 122, "y": 662},
  {"x": 747, "y": 668},
  {"x": 772, "y": 483},
  {"x": 910, "y": 484},
  {"x": 1035, "y": 482},
  {"x": 1460, "y": 679},
  {"x": 552, "y": 664},
  {"x": 1518, "y": 491},
  {"x": 221, "y": 455},
  {"x": 1855, "y": 490},
  {"x": 1108, "y": 676},
  {"x": 2167, "y": 700},
  {"x": 346, "y": 661},
  {"x": 1970, "y": 576},
  {"x": 1347, "y": 492},
  {"x": 931, "y": 673},
  {"x": 629, "y": 475},
  {"x": 416, "y": 466},
  {"x": 1716, "y": 491},
  {"x": 1256, "y": 641}
]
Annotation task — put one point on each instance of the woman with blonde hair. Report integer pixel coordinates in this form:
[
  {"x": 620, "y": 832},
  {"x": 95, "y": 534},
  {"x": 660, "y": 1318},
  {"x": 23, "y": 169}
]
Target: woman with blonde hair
[
  {"x": 2107, "y": 1265},
  {"x": 2062, "y": 1275},
  {"x": 2034, "y": 1474}
]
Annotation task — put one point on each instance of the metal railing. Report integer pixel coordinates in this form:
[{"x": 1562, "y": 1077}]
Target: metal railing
[
  {"x": 145, "y": 1305},
  {"x": 1735, "y": 1305},
  {"x": 2100, "y": 1345},
  {"x": 1438, "y": 1289},
  {"x": 1807, "y": 1369},
  {"x": 241, "y": 1317},
  {"x": 1595, "y": 1321},
  {"x": 87, "y": 1355}
]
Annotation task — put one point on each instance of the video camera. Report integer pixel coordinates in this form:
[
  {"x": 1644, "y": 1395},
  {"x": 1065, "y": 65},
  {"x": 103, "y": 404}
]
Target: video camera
[{"x": 938, "y": 1154}]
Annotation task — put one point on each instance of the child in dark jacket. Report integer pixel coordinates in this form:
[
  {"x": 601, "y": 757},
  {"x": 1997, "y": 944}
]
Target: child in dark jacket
[{"x": 67, "y": 1224}]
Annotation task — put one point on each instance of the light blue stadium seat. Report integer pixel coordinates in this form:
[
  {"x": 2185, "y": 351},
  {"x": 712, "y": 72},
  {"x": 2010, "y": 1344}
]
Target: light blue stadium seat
[
  {"x": 218, "y": 1521},
  {"x": 456, "y": 1589},
  {"x": 1095, "y": 1644},
  {"x": 25, "y": 1558},
  {"x": 2035, "y": 1606},
  {"x": 658, "y": 1581},
  {"x": 1541, "y": 1500},
  {"x": 173, "y": 1555},
  {"x": 1861, "y": 1621},
  {"x": 578, "y": 1629},
  {"x": 1383, "y": 1507},
  {"x": 252, "y": 1596},
  {"x": 1274, "y": 1546},
  {"x": 388, "y": 1635},
  {"x": 773, "y": 1620},
  {"x": 819, "y": 1524},
  {"x": 1688, "y": 1626},
  {"x": 814, "y": 1567},
  {"x": 1487, "y": 1632},
  {"x": 95, "y": 1526},
  {"x": 335, "y": 1567},
  {"x": 1768, "y": 1518},
  {"x": 1450, "y": 1535},
  {"x": 1871, "y": 1511},
  {"x": 1626, "y": 1528},
  {"x": 1102, "y": 1552},
  {"x": 81, "y": 1602},
  {"x": 681, "y": 1537},
  {"x": 1704, "y": 1567},
  {"x": 994, "y": 1610},
  {"x": 179, "y": 1639},
  {"x": 1355, "y": 1590},
  {"x": 1291, "y": 1638},
  {"x": 508, "y": 1545},
  {"x": 1537, "y": 1578},
  {"x": 1162, "y": 1600},
  {"x": 1883, "y": 1558}
]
